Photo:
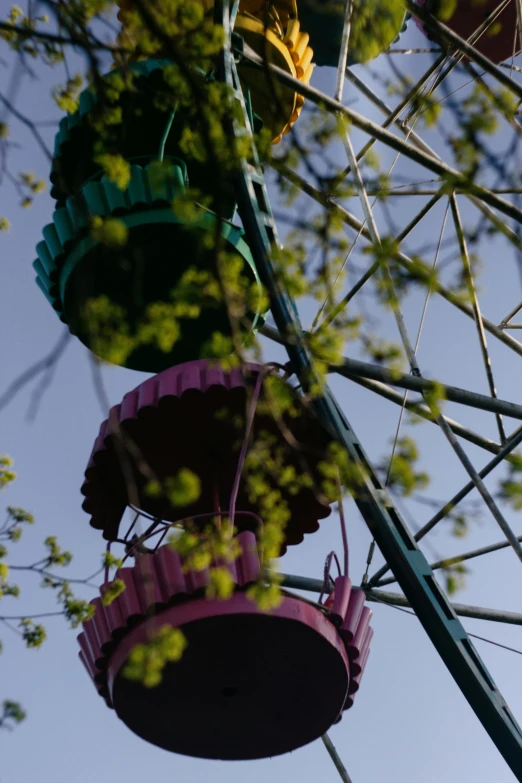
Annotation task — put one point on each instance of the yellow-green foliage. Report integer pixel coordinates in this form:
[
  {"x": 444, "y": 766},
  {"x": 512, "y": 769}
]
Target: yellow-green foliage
[
  {"x": 402, "y": 475},
  {"x": 109, "y": 231},
  {"x": 112, "y": 591},
  {"x": 147, "y": 661},
  {"x": 511, "y": 488},
  {"x": 375, "y": 24},
  {"x": 181, "y": 490}
]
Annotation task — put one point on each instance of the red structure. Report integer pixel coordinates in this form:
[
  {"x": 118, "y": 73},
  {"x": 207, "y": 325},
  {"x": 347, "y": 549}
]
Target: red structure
[
  {"x": 194, "y": 416},
  {"x": 250, "y": 684}
]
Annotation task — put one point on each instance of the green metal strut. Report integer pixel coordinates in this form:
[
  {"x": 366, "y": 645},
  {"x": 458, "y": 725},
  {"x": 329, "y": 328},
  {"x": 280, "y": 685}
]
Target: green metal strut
[{"x": 407, "y": 562}]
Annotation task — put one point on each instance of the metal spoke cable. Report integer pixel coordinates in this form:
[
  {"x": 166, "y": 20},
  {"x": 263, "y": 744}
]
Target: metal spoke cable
[
  {"x": 337, "y": 309},
  {"x": 505, "y": 321},
  {"x": 476, "y": 308},
  {"x": 412, "y": 359},
  {"x": 429, "y": 161},
  {"x": 456, "y": 42},
  {"x": 457, "y": 448},
  {"x": 405, "y": 399},
  {"x": 398, "y": 599},
  {"x": 402, "y": 258},
  {"x": 450, "y": 561},
  {"x": 439, "y": 76},
  {"x": 472, "y": 635},
  {"x": 422, "y": 410},
  {"x": 421, "y": 144},
  {"x": 350, "y": 368},
  {"x": 510, "y": 445}
]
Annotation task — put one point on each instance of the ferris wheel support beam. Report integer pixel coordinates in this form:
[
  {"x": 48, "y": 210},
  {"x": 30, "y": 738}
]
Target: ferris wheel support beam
[
  {"x": 408, "y": 346},
  {"x": 400, "y": 257},
  {"x": 463, "y": 610},
  {"x": 365, "y": 377},
  {"x": 350, "y": 367},
  {"x": 392, "y": 115}
]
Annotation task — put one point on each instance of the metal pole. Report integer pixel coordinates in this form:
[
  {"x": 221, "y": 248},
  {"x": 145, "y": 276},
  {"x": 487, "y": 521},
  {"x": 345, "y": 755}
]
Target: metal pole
[
  {"x": 449, "y": 561},
  {"x": 396, "y": 599},
  {"x": 465, "y": 48},
  {"x": 351, "y": 367},
  {"x": 422, "y": 410},
  {"x": 476, "y": 308},
  {"x": 341, "y": 769}
]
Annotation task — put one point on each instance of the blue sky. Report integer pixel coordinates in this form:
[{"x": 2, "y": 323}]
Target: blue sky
[{"x": 409, "y": 721}]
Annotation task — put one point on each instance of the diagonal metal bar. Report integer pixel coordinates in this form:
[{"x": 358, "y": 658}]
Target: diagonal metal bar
[
  {"x": 450, "y": 561},
  {"x": 420, "y": 215},
  {"x": 505, "y": 321},
  {"x": 393, "y": 114},
  {"x": 464, "y": 47},
  {"x": 476, "y": 308},
  {"x": 399, "y": 256},
  {"x": 399, "y": 318},
  {"x": 436, "y": 165},
  {"x": 399, "y": 190},
  {"x": 341, "y": 769},
  {"x": 422, "y": 410},
  {"x": 421, "y": 144},
  {"x": 458, "y": 57},
  {"x": 510, "y": 445},
  {"x": 341, "y": 305},
  {"x": 463, "y": 610},
  {"x": 310, "y": 585},
  {"x": 440, "y": 77},
  {"x": 355, "y": 367}
]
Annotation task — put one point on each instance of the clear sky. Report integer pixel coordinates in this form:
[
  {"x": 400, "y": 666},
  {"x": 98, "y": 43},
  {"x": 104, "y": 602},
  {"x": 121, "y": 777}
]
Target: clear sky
[{"x": 409, "y": 722}]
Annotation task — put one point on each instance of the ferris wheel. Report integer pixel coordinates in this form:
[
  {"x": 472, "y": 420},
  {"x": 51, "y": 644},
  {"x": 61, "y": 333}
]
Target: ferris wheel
[{"x": 228, "y": 686}]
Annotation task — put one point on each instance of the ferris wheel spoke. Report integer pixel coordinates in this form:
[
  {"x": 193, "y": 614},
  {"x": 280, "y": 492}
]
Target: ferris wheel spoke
[
  {"x": 510, "y": 445},
  {"x": 401, "y": 257},
  {"x": 415, "y": 370},
  {"x": 506, "y": 322},
  {"x": 422, "y": 410},
  {"x": 462, "y": 610},
  {"x": 414, "y": 222},
  {"x": 418, "y": 141},
  {"x": 308, "y": 584},
  {"x": 444, "y": 32},
  {"x": 476, "y": 308},
  {"x": 450, "y": 561},
  {"x": 392, "y": 115},
  {"x": 354, "y": 367},
  {"x": 391, "y": 140}
]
